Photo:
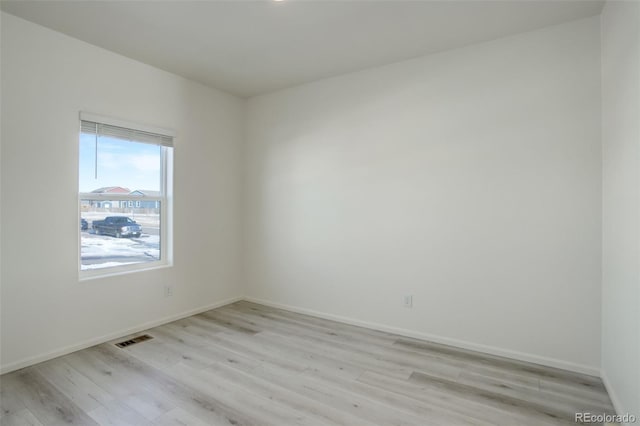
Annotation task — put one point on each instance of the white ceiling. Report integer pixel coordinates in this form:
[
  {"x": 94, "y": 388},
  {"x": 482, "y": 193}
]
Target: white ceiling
[{"x": 248, "y": 48}]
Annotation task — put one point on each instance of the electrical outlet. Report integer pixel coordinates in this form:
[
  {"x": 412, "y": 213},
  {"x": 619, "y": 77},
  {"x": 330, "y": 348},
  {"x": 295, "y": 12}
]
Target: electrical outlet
[
  {"x": 408, "y": 301},
  {"x": 168, "y": 291}
]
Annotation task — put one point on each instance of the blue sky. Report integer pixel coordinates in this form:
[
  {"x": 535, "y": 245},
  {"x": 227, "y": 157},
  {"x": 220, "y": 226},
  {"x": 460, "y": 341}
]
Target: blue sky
[{"x": 120, "y": 163}]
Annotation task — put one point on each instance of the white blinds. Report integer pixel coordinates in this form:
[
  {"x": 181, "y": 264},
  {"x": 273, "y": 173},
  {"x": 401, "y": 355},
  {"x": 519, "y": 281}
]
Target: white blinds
[{"x": 109, "y": 130}]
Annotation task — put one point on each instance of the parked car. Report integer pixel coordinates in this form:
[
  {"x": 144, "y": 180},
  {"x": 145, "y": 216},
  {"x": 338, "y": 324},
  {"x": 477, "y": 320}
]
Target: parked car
[
  {"x": 84, "y": 225},
  {"x": 118, "y": 226}
]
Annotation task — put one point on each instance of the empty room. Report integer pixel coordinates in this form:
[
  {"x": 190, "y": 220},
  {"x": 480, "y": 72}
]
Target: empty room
[{"x": 314, "y": 212}]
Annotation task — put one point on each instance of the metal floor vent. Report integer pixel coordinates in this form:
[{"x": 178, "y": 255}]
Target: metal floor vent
[{"x": 134, "y": 341}]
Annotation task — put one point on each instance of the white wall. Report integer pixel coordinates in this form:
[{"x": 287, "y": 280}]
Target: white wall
[
  {"x": 470, "y": 179},
  {"x": 621, "y": 204},
  {"x": 46, "y": 79}
]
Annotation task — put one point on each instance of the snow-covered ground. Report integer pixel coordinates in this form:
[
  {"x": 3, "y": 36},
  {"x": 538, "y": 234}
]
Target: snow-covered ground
[{"x": 99, "y": 251}]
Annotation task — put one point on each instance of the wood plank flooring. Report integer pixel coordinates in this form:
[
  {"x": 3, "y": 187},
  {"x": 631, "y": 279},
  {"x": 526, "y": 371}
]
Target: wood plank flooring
[{"x": 248, "y": 364}]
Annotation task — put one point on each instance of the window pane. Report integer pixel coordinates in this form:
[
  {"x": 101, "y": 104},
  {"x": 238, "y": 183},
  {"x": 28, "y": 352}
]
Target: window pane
[{"x": 116, "y": 234}]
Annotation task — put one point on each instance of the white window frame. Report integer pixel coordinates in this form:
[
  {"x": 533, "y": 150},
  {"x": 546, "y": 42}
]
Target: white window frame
[{"x": 165, "y": 199}]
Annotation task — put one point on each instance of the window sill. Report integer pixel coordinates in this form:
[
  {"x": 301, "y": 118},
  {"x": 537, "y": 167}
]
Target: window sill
[{"x": 94, "y": 274}]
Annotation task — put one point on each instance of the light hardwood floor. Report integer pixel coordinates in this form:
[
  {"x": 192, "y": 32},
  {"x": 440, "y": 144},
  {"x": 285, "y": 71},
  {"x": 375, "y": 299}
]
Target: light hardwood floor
[{"x": 248, "y": 364}]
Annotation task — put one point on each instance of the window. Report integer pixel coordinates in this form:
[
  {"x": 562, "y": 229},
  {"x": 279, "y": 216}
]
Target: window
[{"x": 125, "y": 183}]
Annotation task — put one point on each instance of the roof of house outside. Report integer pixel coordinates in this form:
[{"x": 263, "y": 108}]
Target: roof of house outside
[
  {"x": 146, "y": 192},
  {"x": 111, "y": 190},
  {"x": 121, "y": 190}
]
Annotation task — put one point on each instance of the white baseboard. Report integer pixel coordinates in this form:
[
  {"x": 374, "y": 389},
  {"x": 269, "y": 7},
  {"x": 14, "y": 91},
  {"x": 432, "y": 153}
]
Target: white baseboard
[
  {"x": 491, "y": 350},
  {"x": 617, "y": 405},
  {"x": 105, "y": 338}
]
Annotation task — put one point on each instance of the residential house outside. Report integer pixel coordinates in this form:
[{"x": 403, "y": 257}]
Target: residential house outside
[
  {"x": 113, "y": 205},
  {"x": 145, "y": 204}
]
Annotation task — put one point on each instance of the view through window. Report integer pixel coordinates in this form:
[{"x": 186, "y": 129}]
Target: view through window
[{"x": 123, "y": 196}]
